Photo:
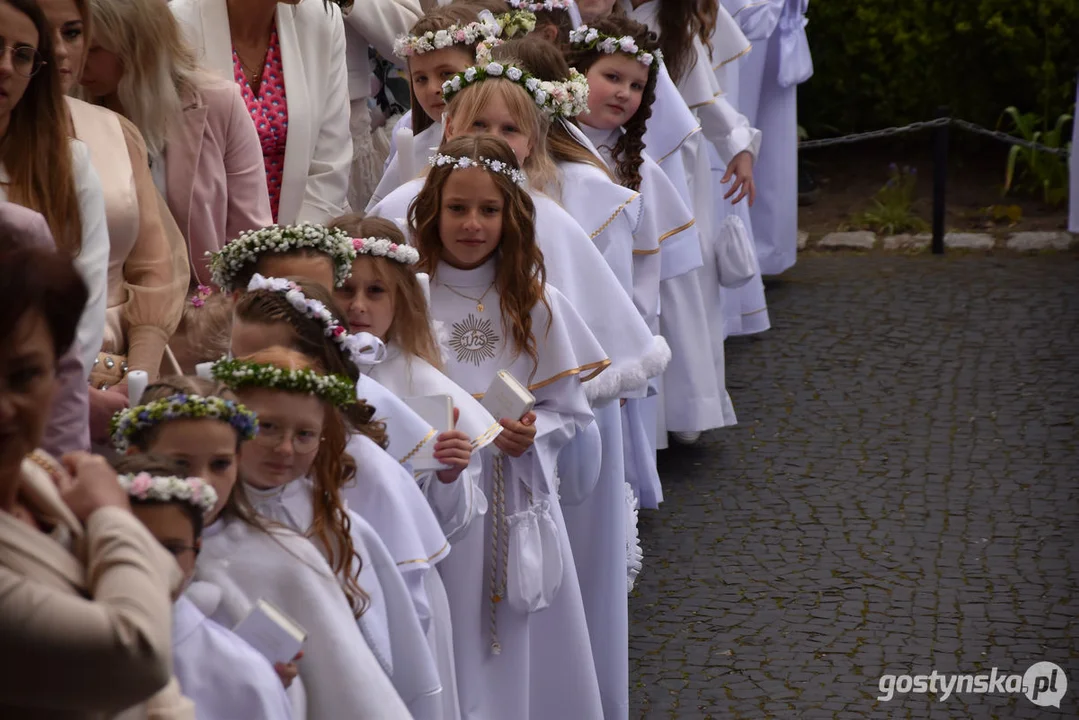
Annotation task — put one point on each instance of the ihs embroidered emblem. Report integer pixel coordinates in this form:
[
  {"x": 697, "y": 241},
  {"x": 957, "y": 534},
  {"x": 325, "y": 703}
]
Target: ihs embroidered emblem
[{"x": 474, "y": 340}]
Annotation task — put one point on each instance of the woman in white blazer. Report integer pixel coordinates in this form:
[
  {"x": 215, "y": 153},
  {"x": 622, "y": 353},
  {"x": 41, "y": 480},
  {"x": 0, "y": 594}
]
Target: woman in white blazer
[{"x": 266, "y": 47}]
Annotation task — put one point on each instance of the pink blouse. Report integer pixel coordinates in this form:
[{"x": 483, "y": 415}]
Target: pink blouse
[{"x": 269, "y": 112}]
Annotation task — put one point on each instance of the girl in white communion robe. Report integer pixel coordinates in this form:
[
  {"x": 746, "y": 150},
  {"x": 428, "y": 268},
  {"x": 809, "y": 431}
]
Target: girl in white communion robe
[
  {"x": 197, "y": 423},
  {"x": 302, "y": 315},
  {"x": 520, "y": 636}
]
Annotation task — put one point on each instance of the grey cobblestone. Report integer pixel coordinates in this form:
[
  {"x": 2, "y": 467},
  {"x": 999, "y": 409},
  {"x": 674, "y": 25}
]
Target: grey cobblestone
[{"x": 900, "y": 496}]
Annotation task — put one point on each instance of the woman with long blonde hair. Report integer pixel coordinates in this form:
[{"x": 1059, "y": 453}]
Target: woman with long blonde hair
[{"x": 205, "y": 153}]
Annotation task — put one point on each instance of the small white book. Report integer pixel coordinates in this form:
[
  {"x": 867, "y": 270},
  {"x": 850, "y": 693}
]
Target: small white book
[
  {"x": 436, "y": 411},
  {"x": 270, "y": 631},
  {"x": 507, "y": 397}
]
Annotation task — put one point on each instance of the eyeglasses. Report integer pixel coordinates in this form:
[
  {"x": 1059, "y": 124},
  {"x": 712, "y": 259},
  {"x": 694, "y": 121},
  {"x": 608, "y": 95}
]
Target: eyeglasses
[
  {"x": 271, "y": 436},
  {"x": 24, "y": 59}
]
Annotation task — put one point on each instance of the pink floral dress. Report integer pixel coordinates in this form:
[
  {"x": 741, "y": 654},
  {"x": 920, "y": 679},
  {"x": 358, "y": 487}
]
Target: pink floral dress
[{"x": 269, "y": 112}]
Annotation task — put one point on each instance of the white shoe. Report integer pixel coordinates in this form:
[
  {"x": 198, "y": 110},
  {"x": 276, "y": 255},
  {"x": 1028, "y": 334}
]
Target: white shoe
[{"x": 687, "y": 438}]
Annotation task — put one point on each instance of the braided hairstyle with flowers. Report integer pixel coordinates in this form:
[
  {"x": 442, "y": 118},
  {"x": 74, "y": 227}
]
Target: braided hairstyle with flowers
[
  {"x": 520, "y": 275},
  {"x": 626, "y": 153},
  {"x": 266, "y": 307},
  {"x": 411, "y": 328}
]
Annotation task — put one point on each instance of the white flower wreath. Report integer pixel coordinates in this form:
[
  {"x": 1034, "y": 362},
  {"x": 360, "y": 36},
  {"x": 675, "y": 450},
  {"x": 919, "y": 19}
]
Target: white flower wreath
[
  {"x": 464, "y": 163},
  {"x": 384, "y": 247},
  {"x": 409, "y": 45},
  {"x": 588, "y": 38},
  {"x": 227, "y": 263},
  {"x": 337, "y": 390},
  {"x": 193, "y": 491},
  {"x": 564, "y": 99},
  {"x": 543, "y": 6},
  {"x": 359, "y": 348}
]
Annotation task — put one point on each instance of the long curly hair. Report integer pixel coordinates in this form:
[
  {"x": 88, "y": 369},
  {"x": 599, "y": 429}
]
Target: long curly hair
[
  {"x": 520, "y": 275},
  {"x": 463, "y": 109},
  {"x": 544, "y": 60},
  {"x": 626, "y": 153},
  {"x": 36, "y": 150},
  {"x": 411, "y": 328},
  {"x": 679, "y": 24},
  {"x": 707, "y": 16},
  {"x": 439, "y": 18},
  {"x": 332, "y": 469},
  {"x": 267, "y": 307}
]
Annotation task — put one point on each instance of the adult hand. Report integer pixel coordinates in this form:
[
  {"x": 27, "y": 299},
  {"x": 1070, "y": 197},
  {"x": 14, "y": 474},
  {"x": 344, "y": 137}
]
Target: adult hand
[
  {"x": 453, "y": 448},
  {"x": 287, "y": 672},
  {"x": 95, "y": 485},
  {"x": 103, "y": 405},
  {"x": 741, "y": 169},
  {"x": 517, "y": 437}
]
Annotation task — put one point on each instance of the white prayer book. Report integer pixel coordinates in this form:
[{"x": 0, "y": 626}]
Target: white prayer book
[
  {"x": 507, "y": 397},
  {"x": 270, "y": 631},
  {"x": 436, "y": 411}
]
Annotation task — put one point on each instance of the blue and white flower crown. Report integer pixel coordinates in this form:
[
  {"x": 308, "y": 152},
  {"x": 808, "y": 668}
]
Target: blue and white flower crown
[
  {"x": 565, "y": 99},
  {"x": 181, "y": 406},
  {"x": 464, "y": 163},
  {"x": 193, "y": 491},
  {"x": 227, "y": 263},
  {"x": 337, "y": 390},
  {"x": 359, "y": 348},
  {"x": 587, "y": 38}
]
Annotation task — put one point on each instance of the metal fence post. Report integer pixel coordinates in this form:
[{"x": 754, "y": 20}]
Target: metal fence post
[{"x": 940, "y": 178}]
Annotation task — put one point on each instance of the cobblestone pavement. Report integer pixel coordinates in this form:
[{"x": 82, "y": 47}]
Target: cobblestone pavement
[{"x": 900, "y": 496}]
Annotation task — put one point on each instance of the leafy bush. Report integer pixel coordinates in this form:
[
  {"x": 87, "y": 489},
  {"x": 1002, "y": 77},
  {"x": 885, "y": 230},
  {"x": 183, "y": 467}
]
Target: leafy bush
[
  {"x": 881, "y": 62},
  {"x": 1039, "y": 173},
  {"x": 892, "y": 209}
]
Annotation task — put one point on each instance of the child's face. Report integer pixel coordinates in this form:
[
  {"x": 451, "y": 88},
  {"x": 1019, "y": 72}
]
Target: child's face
[
  {"x": 429, "y": 70},
  {"x": 171, "y": 525},
  {"x": 470, "y": 219},
  {"x": 592, "y": 10},
  {"x": 250, "y": 337},
  {"x": 316, "y": 266},
  {"x": 290, "y": 430},
  {"x": 496, "y": 119},
  {"x": 367, "y": 300},
  {"x": 204, "y": 449},
  {"x": 615, "y": 88}
]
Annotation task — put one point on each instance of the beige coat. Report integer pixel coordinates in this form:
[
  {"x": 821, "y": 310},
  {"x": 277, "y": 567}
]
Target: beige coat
[{"x": 85, "y": 612}]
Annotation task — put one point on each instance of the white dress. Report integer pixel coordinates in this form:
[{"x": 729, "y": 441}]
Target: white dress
[
  {"x": 408, "y": 160},
  {"x": 768, "y": 93},
  {"x": 389, "y": 623},
  {"x": 406, "y": 431},
  {"x": 341, "y": 676},
  {"x": 544, "y": 668},
  {"x": 223, "y": 675},
  {"x": 578, "y": 270}
]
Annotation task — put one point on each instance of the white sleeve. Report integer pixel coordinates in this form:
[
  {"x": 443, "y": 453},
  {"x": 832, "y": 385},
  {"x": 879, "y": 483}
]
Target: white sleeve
[
  {"x": 328, "y": 171},
  {"x": 92, "y": 262},
  {"x": 458, "y": 503},
  {"x": 381, "y": 21},
  {"x": 725, "y": 127}
]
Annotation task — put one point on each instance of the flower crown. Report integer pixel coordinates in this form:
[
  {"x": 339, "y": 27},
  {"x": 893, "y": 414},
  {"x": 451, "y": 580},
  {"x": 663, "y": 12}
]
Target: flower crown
[
  {"x": 521, "y": 21},
  {"x": 464, "y": 163},
  {"x": 544, "y": 6},
  {"x": 337, "y": 390},
  {"x": 556, "y": 99},
  {"x": 181, "y": 406},
  {"x": 409, "y": 45},
  {"x": 384, "y": 247},
  {"x": 359, "y": 348},
  {"x": 193, "y": 491},
  {"x": 587, "y": 38},
  {"x": 246, "y": 249}
]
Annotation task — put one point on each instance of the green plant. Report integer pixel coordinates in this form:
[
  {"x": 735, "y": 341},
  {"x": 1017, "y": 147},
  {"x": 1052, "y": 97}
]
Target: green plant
[
  {"x": 1035, "y": 171},
  {"x": 892, "y": 206}
]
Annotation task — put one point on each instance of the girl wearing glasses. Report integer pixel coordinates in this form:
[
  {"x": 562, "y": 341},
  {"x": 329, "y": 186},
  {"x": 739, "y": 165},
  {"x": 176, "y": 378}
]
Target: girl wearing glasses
[{"x": 42, "y": 168}]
